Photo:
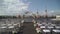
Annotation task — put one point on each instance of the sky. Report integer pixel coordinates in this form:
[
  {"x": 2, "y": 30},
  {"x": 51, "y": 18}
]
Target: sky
[{"x": 15, "y": 7}]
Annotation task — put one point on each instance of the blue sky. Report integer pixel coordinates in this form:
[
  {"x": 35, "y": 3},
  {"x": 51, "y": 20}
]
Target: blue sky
[
  {"x": 43, "y": 4},
  {"x": 15, "y": 7}
]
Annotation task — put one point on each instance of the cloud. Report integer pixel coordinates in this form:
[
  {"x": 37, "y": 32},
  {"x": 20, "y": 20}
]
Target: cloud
[{"x": 13, "y": 7}]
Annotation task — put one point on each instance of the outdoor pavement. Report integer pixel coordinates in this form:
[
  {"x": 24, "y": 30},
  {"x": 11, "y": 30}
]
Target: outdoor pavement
[{"x": 29, "y": 28}]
